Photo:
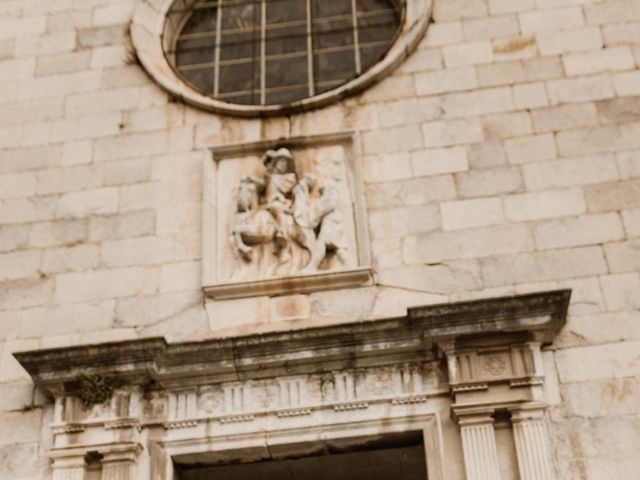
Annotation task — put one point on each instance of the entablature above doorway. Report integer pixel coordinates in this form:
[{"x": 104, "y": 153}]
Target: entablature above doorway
[{"x": 169, "y": 399}]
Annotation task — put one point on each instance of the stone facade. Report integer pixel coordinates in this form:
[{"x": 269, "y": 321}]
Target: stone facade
[{"x": 501, "y": 158}]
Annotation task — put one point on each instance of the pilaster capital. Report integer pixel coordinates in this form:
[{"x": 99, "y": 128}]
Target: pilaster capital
[
  {"x": 71, "y": 461},
  {"x": 120, "y": 453},
  {"x": 528, "y": 412}
]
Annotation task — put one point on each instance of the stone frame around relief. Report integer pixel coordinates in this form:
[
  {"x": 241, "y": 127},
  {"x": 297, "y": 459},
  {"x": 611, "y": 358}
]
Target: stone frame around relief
[{"x": 218, "y": 286}]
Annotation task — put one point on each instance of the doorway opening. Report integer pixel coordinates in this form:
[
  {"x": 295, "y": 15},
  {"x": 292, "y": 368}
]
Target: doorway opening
[{"x": 386, "y": 457}]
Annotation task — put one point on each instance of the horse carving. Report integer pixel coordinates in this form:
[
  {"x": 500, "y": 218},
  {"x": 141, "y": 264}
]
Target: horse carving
[{"x": 278, "y": 227}]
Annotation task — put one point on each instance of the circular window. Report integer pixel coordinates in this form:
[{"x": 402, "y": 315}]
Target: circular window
[
  {"x": 273, "y": 52},
  {"x": 265, "y": 57}
]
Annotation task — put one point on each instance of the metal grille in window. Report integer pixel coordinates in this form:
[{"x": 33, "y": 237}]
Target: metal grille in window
[{"x": 270, "y": 52}]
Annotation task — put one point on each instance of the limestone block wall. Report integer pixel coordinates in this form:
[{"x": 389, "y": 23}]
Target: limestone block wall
[{"x": 503, "y": 157}]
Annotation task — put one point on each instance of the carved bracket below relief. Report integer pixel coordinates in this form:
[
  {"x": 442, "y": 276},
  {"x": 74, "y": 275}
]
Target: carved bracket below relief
[{"x": 358, "y": 277}]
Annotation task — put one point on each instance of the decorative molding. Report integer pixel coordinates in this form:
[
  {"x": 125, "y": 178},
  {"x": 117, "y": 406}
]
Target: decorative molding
[
  {"x": 237, "y": 418},
  {"x": 68, "y": 428},
  {"x": 302, "y": 352},
  {"x": 179, "y": 424},
  {"x": 123, "y": 423},
  {"x": 410, "y": 399},
  {"x": 296, "y": 412},
  {"x": 295, "y": 384}
]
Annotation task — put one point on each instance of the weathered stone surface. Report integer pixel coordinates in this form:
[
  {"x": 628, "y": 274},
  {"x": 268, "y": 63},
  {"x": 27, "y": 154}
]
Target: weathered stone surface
[
  {"x": 25, "y": 293},
  {"x": 570, "y": 172},
  {"x": 501, "y": 157},
  {"x": 437, "y": 161},
  {"x": 503, "y": 73},
  {"x": 133, "y": 224},
  {"x": 541, "y": 266},
  {"x": 401, "y": 221},
  {"x": 600, "y": 329},
  {"x": 66, "y": 319},
  {"x": 451, "y": 132},
  {"x": 489, "y": 181},
  {"x": 133, "y": 312},
  {"x": 392, "y": 302},
  {"x": 435, "y": 247},
  {"x": 471, "y": 213},
  {"x": 416, "y": 191},
  {"x": 551, "y": 20},
  {"x": 623, "y": 256},
  {"x": 21, "y": 427},
  {"x": 352, "y": 303},
  {"x": 536, "y": 206},
  {"x": 620, "y": 291},
  {"x": 99, "y": 284},
  {"x": 631, "y": 219},
  {"x": 243, "y": 312},
  {"x": 564, "y": 117},
  {"x": 603, "y": 398},
  {"x": 599, "y": 362},
  {"x": 613, "y": 196},
  {"x": 82, "y": 204},
  {"x": 70, "y": 259},
  {"x": 619, "y": 110},
  {"x": 52, "y": 234},
  {"x": 577, "y": 231},
  {"x": 14, "y": 237},
  {"x": 443, "y": 279},
  {"x": 290, "y": 307},
  {"x": 535, "y": 148},
  {"x": 21, "y": 461}
]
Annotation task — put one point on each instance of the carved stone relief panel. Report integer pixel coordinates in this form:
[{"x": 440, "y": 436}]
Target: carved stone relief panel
[{"x": 284, "y": 215}]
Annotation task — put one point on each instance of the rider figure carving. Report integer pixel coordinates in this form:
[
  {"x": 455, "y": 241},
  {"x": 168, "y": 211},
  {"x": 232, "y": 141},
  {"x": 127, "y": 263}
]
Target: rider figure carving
[
  {"x": 280, "y": 180},
  {"x": 277, "y": 214}
]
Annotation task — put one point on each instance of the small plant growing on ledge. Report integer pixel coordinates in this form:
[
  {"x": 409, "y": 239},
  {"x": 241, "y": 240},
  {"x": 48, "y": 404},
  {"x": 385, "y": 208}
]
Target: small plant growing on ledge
[{"x": 96, "y": 389}]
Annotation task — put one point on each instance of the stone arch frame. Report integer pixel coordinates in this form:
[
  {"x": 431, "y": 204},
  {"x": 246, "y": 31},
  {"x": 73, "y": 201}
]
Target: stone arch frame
[{"x": 148, "y": 29}]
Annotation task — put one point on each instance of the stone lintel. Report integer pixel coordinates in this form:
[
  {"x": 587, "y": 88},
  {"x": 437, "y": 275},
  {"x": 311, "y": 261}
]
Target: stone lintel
[{"x": 155, "y": 362}]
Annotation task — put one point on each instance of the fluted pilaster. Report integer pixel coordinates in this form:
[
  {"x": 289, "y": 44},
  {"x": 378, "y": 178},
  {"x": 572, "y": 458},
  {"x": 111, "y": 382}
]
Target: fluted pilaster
[
  {"x": 120, "y": 463},
  {"x": 532, "y": 445},
  {"x": 118, "y": 471},
  {"x": 68, "y": 468},
  {"x": 479, "y": 446}
]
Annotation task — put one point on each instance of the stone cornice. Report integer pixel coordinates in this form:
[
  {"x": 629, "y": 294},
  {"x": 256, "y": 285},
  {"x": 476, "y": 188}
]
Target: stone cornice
[{"x": 157, "y": 364}]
